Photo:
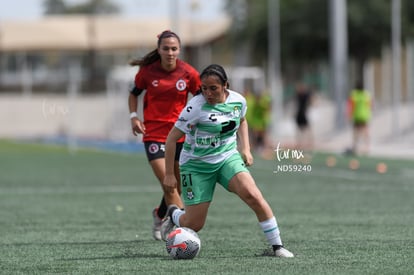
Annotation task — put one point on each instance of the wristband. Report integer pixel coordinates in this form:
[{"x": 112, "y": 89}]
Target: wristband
[{"x": 132, "y": 115}]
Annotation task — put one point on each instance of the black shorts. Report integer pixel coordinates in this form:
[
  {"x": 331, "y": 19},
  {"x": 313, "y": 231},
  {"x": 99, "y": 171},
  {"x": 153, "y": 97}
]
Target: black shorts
[
  {"x": 301, "y": 121},
  {"x": 156, "y": 150},
  {"x": 360, "y": 123}
]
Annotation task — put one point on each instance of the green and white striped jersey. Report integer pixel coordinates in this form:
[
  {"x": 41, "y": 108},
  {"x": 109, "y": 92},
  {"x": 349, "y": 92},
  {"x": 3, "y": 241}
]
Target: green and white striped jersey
[{"x": 211, "y": 130}]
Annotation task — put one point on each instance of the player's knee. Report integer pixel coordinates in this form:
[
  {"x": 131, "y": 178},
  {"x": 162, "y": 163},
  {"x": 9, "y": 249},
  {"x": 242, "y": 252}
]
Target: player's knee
[
  {"x": 254, "y": 199},
  {"x": 194, "y": 224},
  {"x": 171, "y": 195},
  {"x": 197, "y": 227}
]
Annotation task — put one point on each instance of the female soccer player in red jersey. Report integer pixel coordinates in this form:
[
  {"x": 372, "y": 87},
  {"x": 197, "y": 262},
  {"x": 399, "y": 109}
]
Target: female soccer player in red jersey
[{"x": 167, "y": 81}]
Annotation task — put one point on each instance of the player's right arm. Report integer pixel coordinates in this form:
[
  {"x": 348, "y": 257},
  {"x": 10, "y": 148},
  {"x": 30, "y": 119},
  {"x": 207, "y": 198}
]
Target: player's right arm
[{"x": 136, "y": 124}]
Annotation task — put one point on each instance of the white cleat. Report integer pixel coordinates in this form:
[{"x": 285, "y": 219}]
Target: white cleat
[
  {"x": 283, "y": 253},
  {"x": 166, "y": 227},
  {"x": 167, "y": 224},
  {"x": 156, "y": 227}
]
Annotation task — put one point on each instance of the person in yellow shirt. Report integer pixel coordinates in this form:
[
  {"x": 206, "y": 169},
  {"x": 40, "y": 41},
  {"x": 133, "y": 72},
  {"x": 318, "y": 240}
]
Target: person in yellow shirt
[
  {"x": 250, "y": 103},
  {"x": 360, "y": 107},
  {"x": 258, "y": 116}
]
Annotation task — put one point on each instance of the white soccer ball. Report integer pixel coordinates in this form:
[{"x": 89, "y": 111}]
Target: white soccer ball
[{"x": 183, "y": 243}]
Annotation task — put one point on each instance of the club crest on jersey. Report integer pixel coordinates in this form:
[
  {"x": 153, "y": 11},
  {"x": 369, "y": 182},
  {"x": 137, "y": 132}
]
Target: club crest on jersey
[
  {"x": 181, "y": 85},
  {"x": 190, "y": 194},
  {"x": 236, "y": 111},
  {"x": 153, "y": 148},
  {"x": 155, "y": 83}
]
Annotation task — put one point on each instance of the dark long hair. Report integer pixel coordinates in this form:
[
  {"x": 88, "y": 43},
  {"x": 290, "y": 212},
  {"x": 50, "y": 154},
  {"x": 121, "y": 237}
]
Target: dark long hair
[
  {"x": 217, "y": 70},
  {"x": 153, "y": 55}
]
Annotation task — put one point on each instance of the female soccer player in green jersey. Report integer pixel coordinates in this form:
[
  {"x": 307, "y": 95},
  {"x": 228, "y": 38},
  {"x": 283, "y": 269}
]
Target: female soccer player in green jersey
[{"x": 211, "y": 123}]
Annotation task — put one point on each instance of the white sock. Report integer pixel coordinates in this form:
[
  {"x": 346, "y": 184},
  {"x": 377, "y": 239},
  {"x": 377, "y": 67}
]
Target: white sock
[
  {"x": 176, "y": 216},
  {"x": 271, "y": 231}
]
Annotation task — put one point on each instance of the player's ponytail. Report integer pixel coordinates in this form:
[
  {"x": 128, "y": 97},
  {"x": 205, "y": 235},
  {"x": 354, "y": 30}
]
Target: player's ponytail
[
  {"x": 149, "y": 58},
  {"x": 153, "y": 56}
]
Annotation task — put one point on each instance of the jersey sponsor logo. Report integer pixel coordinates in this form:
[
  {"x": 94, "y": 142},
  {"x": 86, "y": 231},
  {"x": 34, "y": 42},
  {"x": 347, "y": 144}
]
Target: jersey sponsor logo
[
  {"x": 153, "y": 148},
  {"x": 228, "y": 126},
  {"x": 236, "y": 113},
  {"x": 212, "y": 141},
  {"x": 212, "y": 117},
  {"x": 155, "y": 83},
  {"x": 220, "y": 114},
  {"x": 181, "y": 85}
]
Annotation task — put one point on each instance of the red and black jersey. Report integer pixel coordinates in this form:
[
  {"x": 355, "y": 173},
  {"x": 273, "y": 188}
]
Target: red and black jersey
[{"x": 166, "y": 95}]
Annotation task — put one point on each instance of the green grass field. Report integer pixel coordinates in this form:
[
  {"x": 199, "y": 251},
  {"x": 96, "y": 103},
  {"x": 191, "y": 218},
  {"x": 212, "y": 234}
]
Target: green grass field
[{"x": 90, "y": 213}]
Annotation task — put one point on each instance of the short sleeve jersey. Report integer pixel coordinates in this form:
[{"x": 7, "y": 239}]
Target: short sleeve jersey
[
  {"x": 361, "y": 102},
  {"x": 166, "y": 95},
  {"x": 211, "y": 129}
]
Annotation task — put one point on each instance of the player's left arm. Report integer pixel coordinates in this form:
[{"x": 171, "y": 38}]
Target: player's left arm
[
  {"x": 170, "y": 181},
  {"x": 244, "y": 143}
]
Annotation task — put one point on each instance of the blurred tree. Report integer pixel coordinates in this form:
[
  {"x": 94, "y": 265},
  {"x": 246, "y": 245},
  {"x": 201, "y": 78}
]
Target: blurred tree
[
  {"x": 54, "y": 6},
  {"x": 89, "y": 7},
  {"x": 95, "y": 7},
  {"x": 305, "y": 28},
  {"x": 369, "y": 29}
]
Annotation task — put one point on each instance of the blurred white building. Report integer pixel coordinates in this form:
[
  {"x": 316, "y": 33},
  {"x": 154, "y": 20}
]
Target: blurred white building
[{"x": 41, "y": 95}]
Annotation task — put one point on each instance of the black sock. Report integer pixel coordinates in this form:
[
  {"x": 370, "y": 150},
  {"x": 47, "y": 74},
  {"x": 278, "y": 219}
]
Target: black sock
[
  {"x": 277, "y": 247},
  {"x": 162, "y": 209}
]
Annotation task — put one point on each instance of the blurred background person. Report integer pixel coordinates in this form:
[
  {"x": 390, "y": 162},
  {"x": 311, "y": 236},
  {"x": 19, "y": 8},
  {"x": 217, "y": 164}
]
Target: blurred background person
[
  {"x": 250, "y": 102},
  {"x": 359, "y": 108},
  {"x": 167, "y": 81},
  {"x": 258, "y": 117},
  {"x": 303, "y": 99}
]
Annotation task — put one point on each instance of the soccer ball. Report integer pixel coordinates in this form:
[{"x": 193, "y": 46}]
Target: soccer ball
[{"x": 183, "y": 243}]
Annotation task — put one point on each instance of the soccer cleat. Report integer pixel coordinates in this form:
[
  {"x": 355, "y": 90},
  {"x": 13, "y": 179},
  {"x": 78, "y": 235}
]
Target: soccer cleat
[
  {"x": 283, "y": 253},
  {"x": 167, "y": 224},
  {"x": 166, "y": 227},
  {"x": 156, "y": 227}
]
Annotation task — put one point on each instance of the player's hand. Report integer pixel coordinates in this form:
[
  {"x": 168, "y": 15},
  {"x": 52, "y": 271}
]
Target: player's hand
[
  {"x": 247, "y": 158},
  {"x": 169, "y": 183},
  {"x": 137, "y": 126}
]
